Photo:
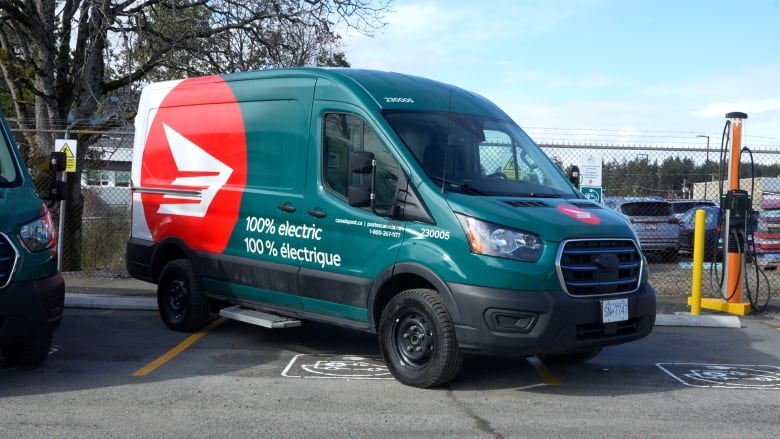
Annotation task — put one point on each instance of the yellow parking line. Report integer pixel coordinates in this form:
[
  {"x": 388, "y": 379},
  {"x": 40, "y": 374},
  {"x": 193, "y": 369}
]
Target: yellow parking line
[
  {"x": 168, "y": 356},
  {"x": 543, "y": 372}
]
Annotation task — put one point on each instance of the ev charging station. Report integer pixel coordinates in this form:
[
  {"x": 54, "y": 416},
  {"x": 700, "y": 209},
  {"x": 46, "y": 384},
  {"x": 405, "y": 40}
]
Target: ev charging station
[{"x": 736, "y": 206}]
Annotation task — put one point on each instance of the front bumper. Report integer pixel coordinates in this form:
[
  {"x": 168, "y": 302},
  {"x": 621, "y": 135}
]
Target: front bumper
[
  {"x": 525, "y": 323},
  {"x": 31, "y": 308}
]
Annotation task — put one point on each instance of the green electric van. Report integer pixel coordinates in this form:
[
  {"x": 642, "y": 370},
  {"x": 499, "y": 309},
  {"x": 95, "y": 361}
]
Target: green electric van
[
  {"x": 376, "y": 201},
  {"x": 32, "y": 290}
]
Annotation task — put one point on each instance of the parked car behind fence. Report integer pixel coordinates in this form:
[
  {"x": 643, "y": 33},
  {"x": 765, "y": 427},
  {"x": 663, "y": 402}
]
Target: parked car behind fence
[
  {"x": 681, "y": 206},
  {"x": 713, "y": 236},
  {"x": 653, "y": 221},
  {"x": 712, "y": 229}
]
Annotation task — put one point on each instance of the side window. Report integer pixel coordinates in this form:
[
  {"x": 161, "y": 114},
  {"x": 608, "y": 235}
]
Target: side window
[
  {"x": 7, "y": 169},
  {"x": 344, "y": 134}
]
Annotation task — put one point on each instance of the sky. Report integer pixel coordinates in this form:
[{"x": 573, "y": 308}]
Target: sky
[{"x": 623, "y": 72}]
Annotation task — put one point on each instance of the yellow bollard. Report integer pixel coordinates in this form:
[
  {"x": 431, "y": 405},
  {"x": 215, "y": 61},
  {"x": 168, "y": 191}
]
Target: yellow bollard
[{"x": 698, "y": 261}]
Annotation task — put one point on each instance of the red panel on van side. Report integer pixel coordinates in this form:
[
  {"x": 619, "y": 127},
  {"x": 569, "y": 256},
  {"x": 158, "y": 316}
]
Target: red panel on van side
[{"x": 196, "y": 153}]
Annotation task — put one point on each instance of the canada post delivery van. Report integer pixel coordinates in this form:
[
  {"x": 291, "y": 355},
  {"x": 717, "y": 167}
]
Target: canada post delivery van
[
  {"x": 32, "y": 290},
  {"x": 376, "y": 201}
]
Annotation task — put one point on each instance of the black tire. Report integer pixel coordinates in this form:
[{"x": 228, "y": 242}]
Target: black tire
[
  {"x": 572, "y": 357},
  {"x": 180, "y": 300},
  {"x": 417, "y": 339},
  {"x": 28, "y": 352}
]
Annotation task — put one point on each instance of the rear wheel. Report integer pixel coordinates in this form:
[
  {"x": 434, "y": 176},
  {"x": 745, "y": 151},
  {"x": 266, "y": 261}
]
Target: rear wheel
[
  {"x": 27, "y": 352},
  {"x": 417, "y": 338},
  {"x": 181, "y": 302}
]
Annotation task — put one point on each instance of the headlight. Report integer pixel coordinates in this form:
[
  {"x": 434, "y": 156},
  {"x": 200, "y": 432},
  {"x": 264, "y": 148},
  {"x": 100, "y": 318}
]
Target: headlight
[
  {"x": 493, "y": 240},
  {"x": 39, "y": 234}
]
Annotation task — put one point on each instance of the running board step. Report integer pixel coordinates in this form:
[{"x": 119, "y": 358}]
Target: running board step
[{"x": 258, "y": 318}]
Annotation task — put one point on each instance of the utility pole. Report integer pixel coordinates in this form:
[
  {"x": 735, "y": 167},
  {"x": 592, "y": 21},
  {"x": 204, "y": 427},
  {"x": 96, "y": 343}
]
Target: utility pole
[{"x": 706, "y": 162}]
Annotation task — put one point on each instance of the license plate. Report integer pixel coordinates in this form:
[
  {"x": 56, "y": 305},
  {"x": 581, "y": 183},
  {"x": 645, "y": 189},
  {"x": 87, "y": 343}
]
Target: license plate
[{"x": 614, "y": 310}]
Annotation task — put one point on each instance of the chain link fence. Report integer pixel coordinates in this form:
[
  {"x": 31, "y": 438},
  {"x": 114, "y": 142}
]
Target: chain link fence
[
  {"x": 655, "y": 186},
  {"x": 628, "y": 173},
  {"x": 105, "y": 186}
]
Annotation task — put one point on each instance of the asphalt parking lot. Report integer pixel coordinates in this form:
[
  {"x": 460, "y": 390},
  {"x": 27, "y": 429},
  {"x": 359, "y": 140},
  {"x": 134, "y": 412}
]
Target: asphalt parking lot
[{"x": 121, "y": 373}]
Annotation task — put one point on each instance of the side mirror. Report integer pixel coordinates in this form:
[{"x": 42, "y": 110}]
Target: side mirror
[
  {"x": 57, "y": 162},
  {"x": 574, "y": 176},
  {"x": 58, "y": 188},
  {"x": 361, "y": 162},
  {"x": 359, "y": 195}
]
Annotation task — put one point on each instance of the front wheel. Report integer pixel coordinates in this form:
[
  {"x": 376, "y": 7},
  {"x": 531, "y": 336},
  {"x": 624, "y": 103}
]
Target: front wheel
[
  {"x": 27, "y": 352},
  {"x": 417, "y": 339},
  {"x": 182, "y": 304}
]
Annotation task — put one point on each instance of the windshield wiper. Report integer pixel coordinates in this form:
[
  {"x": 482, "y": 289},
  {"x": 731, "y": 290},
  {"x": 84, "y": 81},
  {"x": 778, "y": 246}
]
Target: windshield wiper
[
  {"x": 540, "y": 195},
  {"x": 462, "y": 185}
]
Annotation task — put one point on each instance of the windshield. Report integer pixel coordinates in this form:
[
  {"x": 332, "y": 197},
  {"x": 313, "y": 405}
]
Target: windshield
[
  {"x": 8, "y": 171},
  {"x": 479, "y": 156}
]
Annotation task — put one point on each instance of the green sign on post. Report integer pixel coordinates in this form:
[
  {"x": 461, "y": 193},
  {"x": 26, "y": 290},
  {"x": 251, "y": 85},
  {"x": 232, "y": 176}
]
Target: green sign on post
[{"x": 592, "y": 193}]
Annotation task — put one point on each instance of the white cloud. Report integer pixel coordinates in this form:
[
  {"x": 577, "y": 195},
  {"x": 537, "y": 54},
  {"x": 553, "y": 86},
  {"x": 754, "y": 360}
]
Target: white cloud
[
  {"x": 627, "y": 135},
  {"x": 749, "y": 106},
  {"x": 445, "y": 40},
  {"x": 411, "y": 42},
  {"x": 485, "y": 48}
]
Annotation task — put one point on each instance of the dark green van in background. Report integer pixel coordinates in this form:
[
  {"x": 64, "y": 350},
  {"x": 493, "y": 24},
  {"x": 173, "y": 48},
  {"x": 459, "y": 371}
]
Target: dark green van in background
[{"x": 32, "y": 290}]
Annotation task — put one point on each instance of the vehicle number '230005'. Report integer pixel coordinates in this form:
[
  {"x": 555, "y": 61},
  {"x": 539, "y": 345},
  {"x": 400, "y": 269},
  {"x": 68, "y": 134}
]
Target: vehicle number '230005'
[{"x": 435, "y": 233}]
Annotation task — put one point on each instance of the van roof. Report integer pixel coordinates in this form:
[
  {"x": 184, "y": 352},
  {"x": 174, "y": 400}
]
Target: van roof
[{"x": 380, "y": 89}]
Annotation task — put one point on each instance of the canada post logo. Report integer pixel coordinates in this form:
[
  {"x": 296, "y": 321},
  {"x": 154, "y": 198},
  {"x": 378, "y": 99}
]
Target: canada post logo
[
  {"x": 579, "y": 214},
  {"x": 196, "y": 155}
]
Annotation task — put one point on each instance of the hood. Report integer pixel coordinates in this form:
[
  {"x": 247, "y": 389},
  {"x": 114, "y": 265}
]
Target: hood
[
  {"x": 551, "y": 218},
  {"x": 19, "y": 204}
]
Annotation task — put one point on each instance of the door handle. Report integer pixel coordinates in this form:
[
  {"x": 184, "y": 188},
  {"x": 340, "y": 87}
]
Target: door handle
[
  {"x": 286, "y": 207},
  {"x": 317, "y": 213}
]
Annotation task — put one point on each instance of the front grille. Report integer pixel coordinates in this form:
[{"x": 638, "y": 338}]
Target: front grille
[
  {"x": 591, "y": 267},
  {"x": 7, "y": 260}
]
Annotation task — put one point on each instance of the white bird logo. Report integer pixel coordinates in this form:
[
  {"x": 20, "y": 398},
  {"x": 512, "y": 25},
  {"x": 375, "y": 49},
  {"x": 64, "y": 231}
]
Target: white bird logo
[{"x": 211, "y": 175}]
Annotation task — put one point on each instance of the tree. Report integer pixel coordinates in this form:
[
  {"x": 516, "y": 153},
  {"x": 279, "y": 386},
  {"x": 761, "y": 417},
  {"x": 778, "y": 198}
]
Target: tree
[
  {"x": 60, "y": 59},
  {"x": 674, "y": 173},
  {"x": 289, "y": 37}
]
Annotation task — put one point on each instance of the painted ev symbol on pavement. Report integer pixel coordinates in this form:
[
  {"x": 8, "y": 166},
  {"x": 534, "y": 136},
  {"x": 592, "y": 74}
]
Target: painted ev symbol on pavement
[
  {"x": 734, "y": 376},
  {"x": 336, "y": 366}
]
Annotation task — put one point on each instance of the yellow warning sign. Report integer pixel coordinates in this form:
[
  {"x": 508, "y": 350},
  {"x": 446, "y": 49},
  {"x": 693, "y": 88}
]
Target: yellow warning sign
[
  {"x": 509, "y": 170},
  {"x": 70, "y": 159},
  {"x": 69, "y": 148}
]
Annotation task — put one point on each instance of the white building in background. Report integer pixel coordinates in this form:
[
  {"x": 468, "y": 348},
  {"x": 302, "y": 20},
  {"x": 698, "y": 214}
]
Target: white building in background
[
  {"x": 105, "y": 180},
  {"x": 758, "y": 189},
  {"x": 108, "y": 162}
]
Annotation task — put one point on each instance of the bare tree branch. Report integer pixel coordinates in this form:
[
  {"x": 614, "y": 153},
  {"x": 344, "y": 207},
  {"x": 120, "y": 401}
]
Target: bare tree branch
[{"x": 60, "y": 58}]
